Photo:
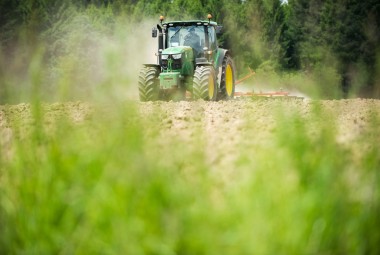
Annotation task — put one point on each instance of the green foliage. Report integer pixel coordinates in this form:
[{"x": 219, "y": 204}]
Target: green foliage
[
  {"x": 344, "y": 29},
  {"x": 295, "y": 36}
]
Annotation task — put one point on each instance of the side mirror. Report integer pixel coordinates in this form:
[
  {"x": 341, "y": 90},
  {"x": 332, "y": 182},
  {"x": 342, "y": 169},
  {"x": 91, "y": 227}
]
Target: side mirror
[
  {"x": 219, "y": 30},
  {"x": 154, "y": 32}
]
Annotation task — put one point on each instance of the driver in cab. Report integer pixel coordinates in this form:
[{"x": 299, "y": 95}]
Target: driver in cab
[{"x": 193, "y": 40}]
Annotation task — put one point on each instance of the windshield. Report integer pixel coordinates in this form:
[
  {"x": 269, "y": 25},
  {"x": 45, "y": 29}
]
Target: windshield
[{"x": 193, "y": 36}]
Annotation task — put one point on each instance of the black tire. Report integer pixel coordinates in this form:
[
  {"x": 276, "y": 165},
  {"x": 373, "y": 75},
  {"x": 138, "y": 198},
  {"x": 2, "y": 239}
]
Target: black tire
[
  {"x": 204, "y": 83},
  {"x": 227, "y": 83},
  {"x": 148, "y": 83}
]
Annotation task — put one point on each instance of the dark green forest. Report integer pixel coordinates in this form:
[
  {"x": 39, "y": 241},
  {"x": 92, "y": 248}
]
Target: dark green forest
[{"x": 335, "y": 42}]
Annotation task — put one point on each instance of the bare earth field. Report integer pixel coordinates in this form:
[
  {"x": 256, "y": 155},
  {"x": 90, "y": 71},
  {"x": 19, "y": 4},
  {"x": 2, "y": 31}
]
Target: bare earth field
[{"x": 224, "y": 127}]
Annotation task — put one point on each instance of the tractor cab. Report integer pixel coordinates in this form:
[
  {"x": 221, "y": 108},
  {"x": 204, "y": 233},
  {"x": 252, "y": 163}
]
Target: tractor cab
[{"x": 199, "y": 35}]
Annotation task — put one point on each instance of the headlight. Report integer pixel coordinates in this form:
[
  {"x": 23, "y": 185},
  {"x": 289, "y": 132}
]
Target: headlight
[
  {"x": 177, "y": 56},
  {"x": 164, "y": 57}
]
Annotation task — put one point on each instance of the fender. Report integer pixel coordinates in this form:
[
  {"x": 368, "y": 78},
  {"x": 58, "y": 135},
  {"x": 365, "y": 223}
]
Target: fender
[
  {"x": 221, "y": 54},
  {"x": 202, "y": 62},
  {"x": 218, "y": 63},
  {"x": 153, "y": 65}
]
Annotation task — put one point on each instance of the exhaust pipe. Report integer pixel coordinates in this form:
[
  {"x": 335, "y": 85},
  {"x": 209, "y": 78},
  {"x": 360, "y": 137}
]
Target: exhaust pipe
[{"x": 160, "y": 38}]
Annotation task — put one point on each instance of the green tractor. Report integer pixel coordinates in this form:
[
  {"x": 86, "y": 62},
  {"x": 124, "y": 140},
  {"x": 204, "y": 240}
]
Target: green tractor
[{"x": 188, "y": 59}]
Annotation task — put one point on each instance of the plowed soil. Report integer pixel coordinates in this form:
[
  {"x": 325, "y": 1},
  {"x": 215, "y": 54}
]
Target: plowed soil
[{"x": 222, "y": 126}]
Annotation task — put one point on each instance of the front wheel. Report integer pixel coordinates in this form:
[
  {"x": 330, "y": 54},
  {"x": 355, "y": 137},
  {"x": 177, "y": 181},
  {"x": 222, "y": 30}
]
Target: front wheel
[
  {"x": 148, "y": 83},
  {"x": 227, "y": 84},
  {"x": 204, "y": 83}
]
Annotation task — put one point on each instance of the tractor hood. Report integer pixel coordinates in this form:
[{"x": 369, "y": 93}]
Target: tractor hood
[
  {"x": 176, "y": 50},
  {"x": 179, "y": 58}
]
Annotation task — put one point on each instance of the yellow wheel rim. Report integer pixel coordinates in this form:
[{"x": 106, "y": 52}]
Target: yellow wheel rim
[
  {"x": 211, "y": 88},
  {"x": 229, "y": 80}
]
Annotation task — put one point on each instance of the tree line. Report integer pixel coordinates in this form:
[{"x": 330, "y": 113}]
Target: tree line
[{"x": 285, "y": 36}]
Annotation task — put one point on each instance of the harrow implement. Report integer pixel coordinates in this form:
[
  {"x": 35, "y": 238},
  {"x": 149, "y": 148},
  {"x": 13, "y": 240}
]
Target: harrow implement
[{"x": 270, "y": 94}]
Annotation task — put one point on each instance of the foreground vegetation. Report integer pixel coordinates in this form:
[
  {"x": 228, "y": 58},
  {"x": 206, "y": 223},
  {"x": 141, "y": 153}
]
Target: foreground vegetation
[{"x": 111, "y": 180}]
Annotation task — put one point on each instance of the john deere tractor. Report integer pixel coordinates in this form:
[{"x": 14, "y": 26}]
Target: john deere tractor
[{"x": 188, "y": 59}]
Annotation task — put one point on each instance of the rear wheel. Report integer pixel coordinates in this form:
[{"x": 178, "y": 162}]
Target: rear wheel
[
  {"x": 148, "y": 83},
  {"x": 204, "y": 83},
  {"x": 227, "y": 84}
]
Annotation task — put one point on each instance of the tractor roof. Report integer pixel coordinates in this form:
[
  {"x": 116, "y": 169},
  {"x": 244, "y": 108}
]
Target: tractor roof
[{"x": 190, "y": 23}]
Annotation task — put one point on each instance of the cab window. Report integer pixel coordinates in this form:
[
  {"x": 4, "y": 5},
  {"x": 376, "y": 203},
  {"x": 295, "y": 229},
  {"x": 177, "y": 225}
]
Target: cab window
[{"x": 212, "y": 38}]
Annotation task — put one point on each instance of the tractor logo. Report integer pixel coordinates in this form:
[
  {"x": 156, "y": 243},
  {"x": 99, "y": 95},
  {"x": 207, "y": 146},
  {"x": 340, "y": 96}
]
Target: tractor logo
[{"x": 170, "y": 63}]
